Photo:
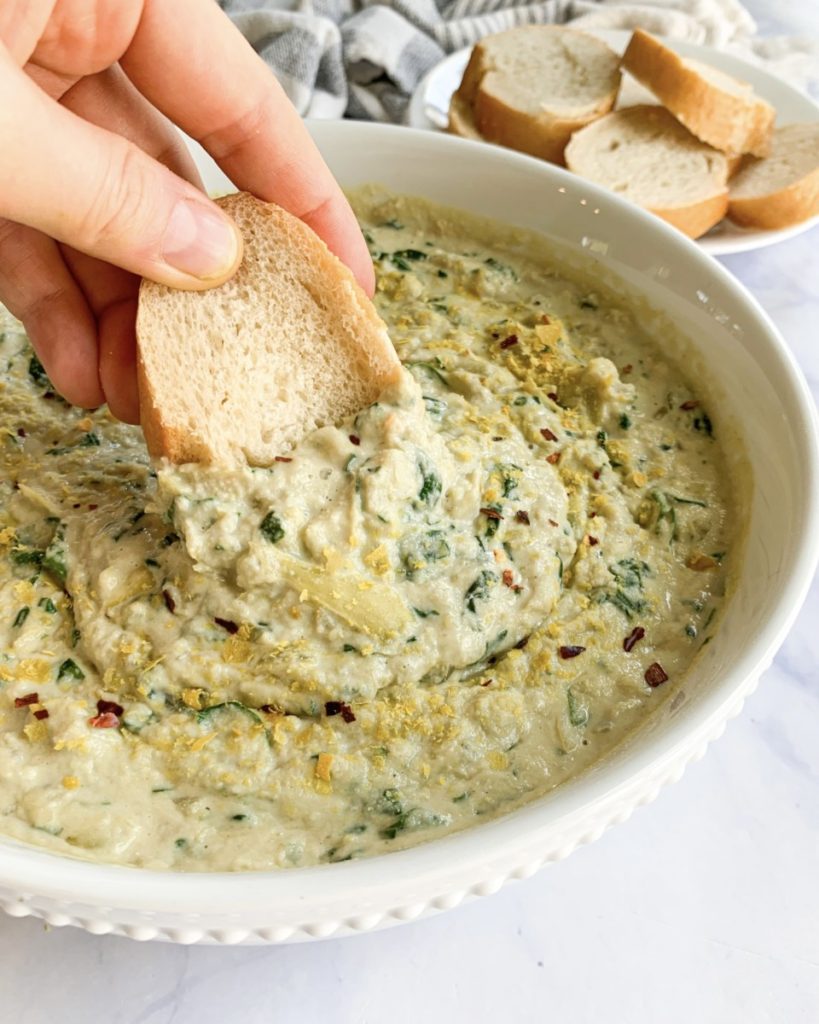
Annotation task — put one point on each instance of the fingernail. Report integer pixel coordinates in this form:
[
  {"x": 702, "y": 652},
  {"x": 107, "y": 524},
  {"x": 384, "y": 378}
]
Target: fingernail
[{"x": 199, "y": 241}]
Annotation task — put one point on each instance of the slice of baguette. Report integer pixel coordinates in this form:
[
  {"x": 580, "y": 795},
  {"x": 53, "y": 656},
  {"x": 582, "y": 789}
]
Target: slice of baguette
[
  {"x": 243, "y": 371},
  {"x": 717, "y": 108},
  {"x": 644, "y": 154},
  {"x": 781, "y": 189},
  {"x": 529, "y": 88},
  {"x": 462, "y": 120}
]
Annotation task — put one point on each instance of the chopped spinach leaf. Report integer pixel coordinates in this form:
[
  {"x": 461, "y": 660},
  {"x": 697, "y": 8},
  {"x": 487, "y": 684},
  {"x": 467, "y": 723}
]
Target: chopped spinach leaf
[
  {"x": 430, "y": 486},
  {"x": 27, "y": 556},
  {"x": 478, "y": 590},
  {"x": 54, "y": 558},
  {"x": 492, "y": 521},
  {"x": 229, "y": 705},
  {"x": 70, "y": 670},
  {"x": 417, "y": 549},
  {"x": 435, "y": 407},
  {"x": 578, "y": 713},
  {"x": 36, "y": 371},
  {"x": 416, "y": 818},
  {"x": 431, "y": 368},
  {"x": 271, "y": 528},
  {"x": 502, "y": 268}
]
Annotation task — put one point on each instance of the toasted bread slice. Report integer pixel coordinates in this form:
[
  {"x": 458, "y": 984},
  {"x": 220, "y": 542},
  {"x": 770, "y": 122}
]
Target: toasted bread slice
[
  {"x": 644, "y": 154},
  {"x": 529, "y": 88},
  {"x": 243, "y": 371},
  {"x": 782, "y": 189},
  {"x": 717, "y": 108}
]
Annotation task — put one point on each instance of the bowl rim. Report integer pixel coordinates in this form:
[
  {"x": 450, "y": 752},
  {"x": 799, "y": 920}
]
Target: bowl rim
[{"x": 357, "y": 895}]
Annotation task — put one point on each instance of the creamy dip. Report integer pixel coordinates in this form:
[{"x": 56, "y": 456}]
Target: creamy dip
[{"x": 411, "y": 622}]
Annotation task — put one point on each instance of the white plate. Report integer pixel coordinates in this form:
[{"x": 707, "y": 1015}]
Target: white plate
[{"x": 430, "y": 103}]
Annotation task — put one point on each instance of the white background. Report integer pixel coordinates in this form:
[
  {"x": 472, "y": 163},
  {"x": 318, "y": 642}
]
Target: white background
[{"x": 703, "y": 908}]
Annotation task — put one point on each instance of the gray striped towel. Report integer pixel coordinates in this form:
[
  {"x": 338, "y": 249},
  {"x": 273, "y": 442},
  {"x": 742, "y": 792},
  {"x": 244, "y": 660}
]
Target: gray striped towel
[{"x": 364, "y": 58}]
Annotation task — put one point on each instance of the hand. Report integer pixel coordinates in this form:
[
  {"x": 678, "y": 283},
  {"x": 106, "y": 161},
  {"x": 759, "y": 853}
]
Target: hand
[{"x": 96, "y": 188}]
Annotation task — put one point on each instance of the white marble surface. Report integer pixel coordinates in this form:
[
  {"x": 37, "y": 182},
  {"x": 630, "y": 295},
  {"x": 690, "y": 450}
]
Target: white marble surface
[{"x": 703, "y": 908}]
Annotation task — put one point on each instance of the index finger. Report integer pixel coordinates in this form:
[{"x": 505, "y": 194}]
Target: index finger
[{"x": 191, "y": 62}]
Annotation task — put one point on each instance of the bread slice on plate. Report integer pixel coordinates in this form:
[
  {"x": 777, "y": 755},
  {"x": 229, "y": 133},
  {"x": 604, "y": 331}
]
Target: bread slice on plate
[
  {"x": 716, "y": 107},
  {"x": 529, "y": 88},
  {"x": 243, "y": 371},
  {"x": 781, "y": 189},
  {"x": 462, "y": 120},
  {"x": 644, "y": 154}
]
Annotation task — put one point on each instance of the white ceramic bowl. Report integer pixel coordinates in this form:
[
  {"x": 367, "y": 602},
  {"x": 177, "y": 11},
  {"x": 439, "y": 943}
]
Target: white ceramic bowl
[{"x": 769, "y": 402}]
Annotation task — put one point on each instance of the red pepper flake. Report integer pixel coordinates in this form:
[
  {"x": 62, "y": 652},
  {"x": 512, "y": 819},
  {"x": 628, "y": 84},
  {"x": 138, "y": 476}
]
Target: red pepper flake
[
  {"x": 592, "y": 515},
  {"x": 522, "y": 517},
  {"x": 544, "y": 318},
  {"x": 21, "y": 432},
  {"x": 41, "y": 714},
  {"x": 104, "y": 721},
  {"x": 656, "y": 674},
  {"x": 170, "y": 604},
  {"x": 283, "y": 458},
  {"x": 552, "y": 522},
  {"x": 627, "y": 369},
  {"x": 509, "y": 581},
  {"x": 231, "y": 627},
  {"x": 692, "y": 403},
  {"x": 570, "y": 651},
  {"x": 554, "y": 458},
  {"x": 510, "y": 341},
  {"x": 355, "y": 439},
  {"x": 547, "y": 434},
  {"x": 593, "y": 541},
  {"x": 491, "y": 513},
  {"x": 521, "y": 643},
  {"x": 23, "y": 702},
  {"x": 596, "y": 474},
  {"x": 49, "y": 394},
  {"x": 93, "y": 508},
  {"x": 109, "y": 707},
  {"x": 487, "y": 682},
  {"x": 77, "y": 505},
  {"x": 338, "y": 707},
  {"x": 552, "y": 395},
  {"x": 636, "y": 634}
]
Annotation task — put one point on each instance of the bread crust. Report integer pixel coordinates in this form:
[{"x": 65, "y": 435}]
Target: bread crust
[
  {"x": 545, "y": 136},
  {"x": 461, "y": 121},
  {"x": 780, "y": 209},
  {"x": 697, "y": 218},
  {"x": 184, "y": 423},
  {"x": 731, "y": 123}
]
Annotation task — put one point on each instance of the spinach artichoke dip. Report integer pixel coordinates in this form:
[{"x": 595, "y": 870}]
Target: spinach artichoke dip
[{"x": 408, "y": 624}]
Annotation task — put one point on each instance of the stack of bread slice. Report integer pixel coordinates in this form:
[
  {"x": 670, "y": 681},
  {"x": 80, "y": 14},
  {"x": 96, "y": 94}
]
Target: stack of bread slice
[{"x": 551, "y": 92}]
